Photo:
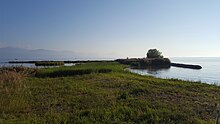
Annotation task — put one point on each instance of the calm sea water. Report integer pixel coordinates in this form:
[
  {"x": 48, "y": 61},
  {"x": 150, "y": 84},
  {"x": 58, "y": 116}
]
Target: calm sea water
[{"x": 210, "y": 72}]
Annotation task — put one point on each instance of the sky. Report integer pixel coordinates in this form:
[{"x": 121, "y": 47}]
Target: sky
[{"x": 113, "y": 28}]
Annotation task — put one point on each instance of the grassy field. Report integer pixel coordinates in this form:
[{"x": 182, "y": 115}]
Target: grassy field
[{"x": 103, "y": 93}]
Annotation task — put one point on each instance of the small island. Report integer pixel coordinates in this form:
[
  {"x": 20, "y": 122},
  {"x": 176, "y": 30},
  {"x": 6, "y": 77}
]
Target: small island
[{"x": 156, "y": 60}]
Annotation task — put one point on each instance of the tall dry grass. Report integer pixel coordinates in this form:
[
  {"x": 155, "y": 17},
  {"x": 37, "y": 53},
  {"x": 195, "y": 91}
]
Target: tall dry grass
[
  {"x": 12, "y": 89},
  {"x": 10, "y": 81},
  {"x": 24, "y": 71}
]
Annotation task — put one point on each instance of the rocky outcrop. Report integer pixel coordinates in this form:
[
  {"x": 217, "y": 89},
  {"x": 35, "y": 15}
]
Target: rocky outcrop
[
  {"x": 146, "y": 62},
  {"x": 154, "y": 62}
]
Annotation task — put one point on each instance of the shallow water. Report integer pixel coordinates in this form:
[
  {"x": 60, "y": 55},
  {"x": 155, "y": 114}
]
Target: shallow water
[
  {"x": 4, "y": 63},
  {"x": 210, "y": 72},
  {"x": 31, "y": 65}
]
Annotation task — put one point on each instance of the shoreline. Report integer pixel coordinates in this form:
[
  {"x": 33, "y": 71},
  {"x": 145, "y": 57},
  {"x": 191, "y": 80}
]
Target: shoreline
[{"x": 106, "y": 92}]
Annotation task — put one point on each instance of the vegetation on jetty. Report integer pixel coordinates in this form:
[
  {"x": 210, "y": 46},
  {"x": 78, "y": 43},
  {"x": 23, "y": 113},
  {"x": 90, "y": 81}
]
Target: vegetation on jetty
[
  {"x": 115, "y": 96},
  {"x": 49, "y": 63}
]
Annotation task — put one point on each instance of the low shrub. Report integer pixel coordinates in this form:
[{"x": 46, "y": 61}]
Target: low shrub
[{"x": 135, "y": 65}]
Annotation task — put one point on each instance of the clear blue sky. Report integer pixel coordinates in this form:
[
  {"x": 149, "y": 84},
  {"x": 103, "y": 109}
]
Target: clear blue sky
[{"x": 113, "y": 28}]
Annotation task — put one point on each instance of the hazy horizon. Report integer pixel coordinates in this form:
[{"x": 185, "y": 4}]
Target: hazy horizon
[{"x": 113, "y": 28}]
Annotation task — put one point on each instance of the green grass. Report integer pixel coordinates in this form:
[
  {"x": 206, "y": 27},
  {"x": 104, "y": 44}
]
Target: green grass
[
  {"x": 79, "y": 69},
  {"x": 114, "y": 97}
]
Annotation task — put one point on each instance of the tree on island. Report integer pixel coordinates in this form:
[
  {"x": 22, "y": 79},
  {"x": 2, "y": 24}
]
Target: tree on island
[{"x": 154, "y": 53}]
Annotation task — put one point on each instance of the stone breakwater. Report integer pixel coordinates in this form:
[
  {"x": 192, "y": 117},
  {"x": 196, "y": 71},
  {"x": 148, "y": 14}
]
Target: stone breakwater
[
  {"x": 186, "y": 66},
  {"x": 146, "y": 62}
]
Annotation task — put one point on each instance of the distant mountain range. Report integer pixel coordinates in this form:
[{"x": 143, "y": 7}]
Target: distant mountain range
[{"x": 21, "y": 53}]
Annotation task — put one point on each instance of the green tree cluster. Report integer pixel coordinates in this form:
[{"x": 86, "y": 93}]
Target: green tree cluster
[{"x": 154, "y": 53}]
